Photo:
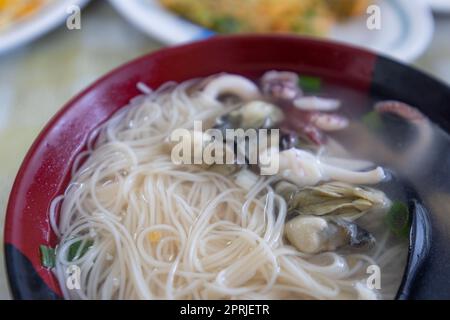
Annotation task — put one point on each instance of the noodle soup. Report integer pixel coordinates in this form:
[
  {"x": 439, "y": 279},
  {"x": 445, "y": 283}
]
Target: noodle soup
[{"x": 331, "y": 222}]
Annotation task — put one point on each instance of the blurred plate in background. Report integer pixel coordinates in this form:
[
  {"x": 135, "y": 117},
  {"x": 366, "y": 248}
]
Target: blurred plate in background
[
  {"x": 37, "y": 24},
  {"x": 441, "y": 6},
  {"x": 407, "y": 27}
]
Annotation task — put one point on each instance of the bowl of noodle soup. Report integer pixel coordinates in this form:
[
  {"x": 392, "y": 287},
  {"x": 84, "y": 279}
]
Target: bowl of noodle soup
[{"x": 99, "y": 196}]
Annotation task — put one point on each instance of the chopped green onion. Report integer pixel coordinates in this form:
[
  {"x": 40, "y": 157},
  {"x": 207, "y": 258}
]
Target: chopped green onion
[
  {"x": 226, "y": 24},
  {"x": 48, "y": 256},
  {"x": 398, "y": 219},
  {"x": 310, "y": 84},
  {"x": 373, "y": 121},
  {"x": 311, "y": 13},
  {"x": 75, "y": 252}
]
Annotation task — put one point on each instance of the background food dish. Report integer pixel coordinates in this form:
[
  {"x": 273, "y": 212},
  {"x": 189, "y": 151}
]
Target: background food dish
[
  {"x": 407, "y": 26},
  {"x": 33, "y": 22},
  {"x": 311, "y": 17},
  {"x": 12, "y": 11}
]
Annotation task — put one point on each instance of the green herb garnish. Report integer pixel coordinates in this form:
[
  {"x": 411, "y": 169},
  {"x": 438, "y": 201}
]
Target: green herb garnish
[
  {"x": 310, "y": 84},
  {"x": 311, "y": 13},
  {"x": 373, "y": 121},
  {"x": 398, "y": 219},
  {"x": 226, "y": 25},
  {"x": 48, "y": 256},
  {"x": 78, "y": 249}
]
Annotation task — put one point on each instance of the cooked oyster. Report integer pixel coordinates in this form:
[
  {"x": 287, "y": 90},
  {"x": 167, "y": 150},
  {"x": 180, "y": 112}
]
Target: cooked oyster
[
  {"x": 253, "y": 115},
  {"x": 310, "y": 234},
  {"x": 333, "y": 198}
]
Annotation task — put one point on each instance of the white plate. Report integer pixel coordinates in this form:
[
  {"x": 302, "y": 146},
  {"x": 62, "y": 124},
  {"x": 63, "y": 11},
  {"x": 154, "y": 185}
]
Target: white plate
[
  {"x": 442, "y": 6},
  {"x": 407, "y": 26},
  {"x": 37, "y": 25}
]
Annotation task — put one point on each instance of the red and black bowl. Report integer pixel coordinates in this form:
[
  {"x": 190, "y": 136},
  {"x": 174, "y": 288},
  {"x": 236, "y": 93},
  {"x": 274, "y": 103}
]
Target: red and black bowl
[{"x": 45, "y": 172}]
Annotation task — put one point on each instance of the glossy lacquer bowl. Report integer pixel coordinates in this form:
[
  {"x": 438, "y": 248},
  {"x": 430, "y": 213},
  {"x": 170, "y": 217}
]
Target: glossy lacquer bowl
[{"x": 45, "y": 172}]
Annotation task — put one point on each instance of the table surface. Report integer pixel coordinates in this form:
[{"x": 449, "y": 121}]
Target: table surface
[{"x": 36, "y": 80}]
